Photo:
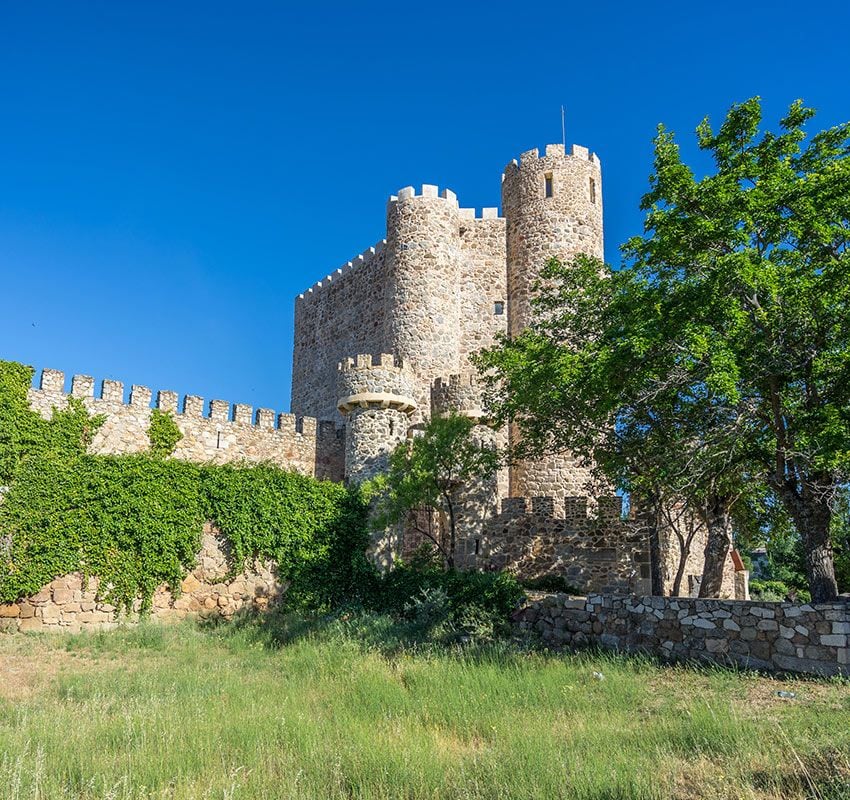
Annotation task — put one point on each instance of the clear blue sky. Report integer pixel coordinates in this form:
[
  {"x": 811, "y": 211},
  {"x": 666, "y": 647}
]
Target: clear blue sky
[{"x": 172, "y": 174}]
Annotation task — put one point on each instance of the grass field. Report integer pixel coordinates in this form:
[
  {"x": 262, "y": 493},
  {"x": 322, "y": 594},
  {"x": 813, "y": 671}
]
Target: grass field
[{"x": 340, "y": 711}]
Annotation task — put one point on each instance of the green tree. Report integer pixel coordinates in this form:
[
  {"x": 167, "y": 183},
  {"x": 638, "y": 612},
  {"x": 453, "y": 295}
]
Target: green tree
[
  {"x": 758, "y": 254},
  {"x": 723, "y": 346},
  {"x": 427, "y": 473},
  {"x": 606, "y": 372}
]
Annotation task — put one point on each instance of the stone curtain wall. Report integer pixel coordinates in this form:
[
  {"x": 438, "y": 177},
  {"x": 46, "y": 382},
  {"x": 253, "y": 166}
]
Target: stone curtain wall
[
  {"x": 598, "y": 552},
  {"x": 220, "y": 434},
  {"x": 678, "y": 527},
  {"x": 341, "y": 315},
  {"x": 70, "y": 603},
  {"x": 757, "y": 635}
]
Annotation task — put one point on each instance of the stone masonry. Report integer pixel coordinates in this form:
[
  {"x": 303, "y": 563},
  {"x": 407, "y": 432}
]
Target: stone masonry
[
  {"x": 790, "y": 637},
  {"x": 442, "y": 284},
  {"x": 219, "y": 433},
  {"x": 71, "y": 603}
]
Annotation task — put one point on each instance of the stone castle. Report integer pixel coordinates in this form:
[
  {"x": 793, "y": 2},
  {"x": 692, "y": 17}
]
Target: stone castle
[{"x": 383, "y": 343}]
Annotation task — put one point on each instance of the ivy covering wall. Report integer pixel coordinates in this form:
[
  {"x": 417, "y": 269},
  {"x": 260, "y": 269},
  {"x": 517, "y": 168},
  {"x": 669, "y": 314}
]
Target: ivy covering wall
[{"x": 135, "y": 521}]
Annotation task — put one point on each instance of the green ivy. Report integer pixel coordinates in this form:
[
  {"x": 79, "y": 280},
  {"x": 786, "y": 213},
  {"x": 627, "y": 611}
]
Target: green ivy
[
  {"x": 135, "y": 521},
  {"x": 163, "y": 433}
]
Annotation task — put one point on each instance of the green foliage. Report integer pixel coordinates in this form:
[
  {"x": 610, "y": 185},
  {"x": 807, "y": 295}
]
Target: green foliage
[
  {"x": 427, "y": 472},
  {"x": 132, "y": 521},
  {"x": 717, "y": 362},
  {"x": 135, "y": 521},
  {"x": 449, "y": 603},
  {"x": 777, "y": 591},
  {"x": 316, "y": 531},
  {"x": 163, "y": 433}
]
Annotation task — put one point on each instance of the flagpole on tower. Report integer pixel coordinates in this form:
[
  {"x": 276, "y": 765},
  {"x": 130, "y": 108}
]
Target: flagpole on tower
[{"x": 563, "y": 129}]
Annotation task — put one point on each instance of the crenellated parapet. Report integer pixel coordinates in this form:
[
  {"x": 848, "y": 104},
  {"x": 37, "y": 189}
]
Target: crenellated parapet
[
  {"x": 382, "y": 382},
  {"x": 217, "y": 431},
  {"x": 546, "y": 536},
  {"x": 459, "y": 394},
  {"x": 368, "y": 256}
]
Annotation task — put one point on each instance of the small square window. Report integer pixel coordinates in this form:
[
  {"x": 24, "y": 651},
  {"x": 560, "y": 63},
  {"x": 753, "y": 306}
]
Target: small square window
[
  {"x": 548, "y": 185},
  {"x": 499, "y": 308}
]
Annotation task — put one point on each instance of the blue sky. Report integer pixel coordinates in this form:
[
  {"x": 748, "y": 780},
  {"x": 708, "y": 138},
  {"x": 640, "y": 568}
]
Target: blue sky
[{"x": 173, "y": 174}]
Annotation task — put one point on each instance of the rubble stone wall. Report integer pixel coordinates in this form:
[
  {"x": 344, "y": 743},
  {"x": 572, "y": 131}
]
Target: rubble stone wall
[
  {"x": 72, "y": 603},
  {"x": 756, "y": 635},
  {"x": 218, "y": 432},
  {"x": 594, "y": 552}
]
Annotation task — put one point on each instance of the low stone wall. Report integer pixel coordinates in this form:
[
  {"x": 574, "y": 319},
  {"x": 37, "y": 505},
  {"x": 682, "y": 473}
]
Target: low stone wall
[
  {"x": 71, "y": 604},
  {"x": 758, "y": 635}
]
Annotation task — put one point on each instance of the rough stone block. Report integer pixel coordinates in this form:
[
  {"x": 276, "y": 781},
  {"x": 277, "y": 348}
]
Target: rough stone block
[{"x": 62, "y": 596}]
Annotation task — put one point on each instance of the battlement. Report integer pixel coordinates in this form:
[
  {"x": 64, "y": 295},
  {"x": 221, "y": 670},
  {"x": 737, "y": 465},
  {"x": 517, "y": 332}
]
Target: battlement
[
  {"x": 531, "y": 159},
  {"x": 384, "y": 361},
  {"x": 573, "y": 510},
  {"x": 363, "y": 258},
  {"x": 479, "y": 214},
  {"x": 382, "y": 381},
  {"x": 51, "y": 387},
  {"x": 218, "y": 430},
  {"x": 458, "y": 394},
  {"x": 428, "y": 191}
]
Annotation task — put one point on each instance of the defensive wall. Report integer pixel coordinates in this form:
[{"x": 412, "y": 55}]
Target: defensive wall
[
  {"x": 790, "y": 637},
  {"x": 72, "y": 603},
  {"x": 218, "y": 432}
]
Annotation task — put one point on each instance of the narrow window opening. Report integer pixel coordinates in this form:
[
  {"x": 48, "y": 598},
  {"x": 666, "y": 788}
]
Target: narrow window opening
[
  {"x": 392, "y": 428},
  {"x": 592, "y": 190},
  {"x": 499, "y": 308},
  {"x": 218, "y": 441},
  {"x": 477, "y": 546},
  {"x": 548, "y": 185}
]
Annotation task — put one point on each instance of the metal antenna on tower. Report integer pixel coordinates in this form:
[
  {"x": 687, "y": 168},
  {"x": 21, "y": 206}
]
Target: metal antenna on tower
[{"x": 563, "y": 129}]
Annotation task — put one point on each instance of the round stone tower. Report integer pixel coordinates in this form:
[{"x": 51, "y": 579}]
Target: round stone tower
[
  {"x": 553, "y": 209},
  {"x": 422, "y": 319},
  {"x": 376, "y": 396}
]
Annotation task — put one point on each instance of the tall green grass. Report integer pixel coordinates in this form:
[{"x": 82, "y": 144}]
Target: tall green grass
[{"x": 350, "y": 709}]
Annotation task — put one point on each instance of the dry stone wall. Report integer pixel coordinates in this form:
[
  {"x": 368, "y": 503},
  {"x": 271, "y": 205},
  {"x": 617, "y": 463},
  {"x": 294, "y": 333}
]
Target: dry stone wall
[
  {"x": 757, "y": 635},
  {"x": 219, "y": 433},
  {"x": 72, "y": 603}
]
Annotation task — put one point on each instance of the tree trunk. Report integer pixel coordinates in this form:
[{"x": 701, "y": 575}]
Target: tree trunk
[
  {"x": 653, "y": 524},
  {"x": 684, "y": 552},
  {"x": 450, "y": 560},
  {"x": 811, "y": 512},
  {"x": 718, "y": 522}
]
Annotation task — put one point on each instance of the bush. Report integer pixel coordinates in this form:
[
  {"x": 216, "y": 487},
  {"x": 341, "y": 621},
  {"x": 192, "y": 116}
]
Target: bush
[
  {"x": 551, "y": 583},
  {"x": 776, "y": 591},
  {"x": 449, "y": 603}
]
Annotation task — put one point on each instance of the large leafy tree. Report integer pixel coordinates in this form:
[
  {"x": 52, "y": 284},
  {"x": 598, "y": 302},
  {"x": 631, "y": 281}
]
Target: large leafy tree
[
  {"x": 608, "y": 371},
  {"x": 759, "y": 253},
  {"x": 723, "y": 349}
]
